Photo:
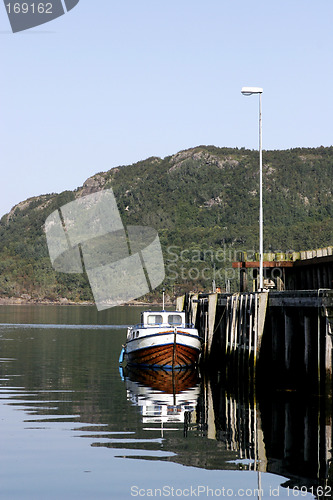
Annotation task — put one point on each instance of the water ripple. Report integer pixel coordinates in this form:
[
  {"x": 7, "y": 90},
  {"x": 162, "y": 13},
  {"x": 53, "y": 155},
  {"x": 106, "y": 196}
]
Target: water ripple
[{"x": 46, "y": 326}]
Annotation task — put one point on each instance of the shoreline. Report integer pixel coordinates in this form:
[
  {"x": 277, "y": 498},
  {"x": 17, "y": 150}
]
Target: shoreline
[{"x": 24, "y": 301}]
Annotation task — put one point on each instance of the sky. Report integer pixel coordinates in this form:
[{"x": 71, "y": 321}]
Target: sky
[{"x": 114, "y": 82}]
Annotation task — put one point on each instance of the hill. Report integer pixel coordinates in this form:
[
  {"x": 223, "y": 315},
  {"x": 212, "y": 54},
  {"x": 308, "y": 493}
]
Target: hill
[{"x": 204, "y": 204}]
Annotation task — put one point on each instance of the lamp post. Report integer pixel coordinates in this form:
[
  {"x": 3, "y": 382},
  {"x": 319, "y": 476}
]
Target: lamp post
[{"x": 250, "y": 91}]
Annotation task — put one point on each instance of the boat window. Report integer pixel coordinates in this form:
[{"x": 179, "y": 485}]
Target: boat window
[
  {"x": 174, "y": 319},
  {"x": 155, "y": 319},
  {"x": 173, "y": 410}
]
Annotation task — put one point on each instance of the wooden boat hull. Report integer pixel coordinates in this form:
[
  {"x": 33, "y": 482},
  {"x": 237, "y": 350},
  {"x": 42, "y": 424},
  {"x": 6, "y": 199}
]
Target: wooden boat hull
[
  {"x": 168, "y": 356},
  {"x": 164, "y": 350}
]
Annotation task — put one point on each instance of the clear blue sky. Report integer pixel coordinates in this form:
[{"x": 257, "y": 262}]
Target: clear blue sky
[{"x": 114, "y": 82}]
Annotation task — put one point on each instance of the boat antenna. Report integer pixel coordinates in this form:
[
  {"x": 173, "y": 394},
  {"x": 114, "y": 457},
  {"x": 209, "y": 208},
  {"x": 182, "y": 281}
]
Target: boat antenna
[{"x": 163, "y": 291}]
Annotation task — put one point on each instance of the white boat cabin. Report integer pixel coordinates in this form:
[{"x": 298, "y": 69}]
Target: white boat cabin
[
  {"x": 157, "y": 320},
  {"x": 163, "y": 318}
]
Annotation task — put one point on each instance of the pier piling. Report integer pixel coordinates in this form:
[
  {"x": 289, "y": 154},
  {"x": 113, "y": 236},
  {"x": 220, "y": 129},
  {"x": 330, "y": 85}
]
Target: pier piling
[{"x": 284, "y": 337}]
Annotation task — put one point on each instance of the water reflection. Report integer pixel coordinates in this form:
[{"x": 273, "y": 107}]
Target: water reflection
[
  {"x": 277, "y": 432},
  {"x": 67, "y": 379},
  {"x": 163, "y": 396}
]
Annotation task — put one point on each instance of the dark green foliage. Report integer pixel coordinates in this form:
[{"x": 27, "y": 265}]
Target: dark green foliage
[{"x": 202, "y": 199}]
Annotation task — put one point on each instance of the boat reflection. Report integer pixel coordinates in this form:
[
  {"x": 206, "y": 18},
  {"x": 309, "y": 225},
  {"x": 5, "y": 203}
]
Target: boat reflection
[{"x": 163, "y": 395}]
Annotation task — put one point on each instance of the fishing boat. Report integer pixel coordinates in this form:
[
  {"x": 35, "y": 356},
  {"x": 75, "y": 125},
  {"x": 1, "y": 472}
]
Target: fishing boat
[{"x": 162, "y": 339}]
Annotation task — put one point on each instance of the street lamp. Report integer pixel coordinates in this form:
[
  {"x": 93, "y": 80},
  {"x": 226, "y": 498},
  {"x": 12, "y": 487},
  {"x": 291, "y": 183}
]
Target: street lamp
[{"x": 250, "y": 91}]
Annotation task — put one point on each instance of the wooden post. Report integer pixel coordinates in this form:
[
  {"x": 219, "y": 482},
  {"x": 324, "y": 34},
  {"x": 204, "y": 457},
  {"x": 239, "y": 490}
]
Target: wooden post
[
  {"x": 318, "y": 353},
  {"x": 328, "y": 347},
  {"x": 325, "y": 276},
  {"x": 226, "y": 329},
  {"x": 235, "y": 322},
  {"x": 262, "y": 307},
  {"x": 245, "y": 329},
  {"x": 205, "y": 350},
  {"x": 326, "y": 351},
  {"x": 307, "y": 441},
  {"x": 275, "y": 339},
  {"x": 307, "y": 344},
  {"x": 180, "y": 301},
  {"x": 288, "y": 436},
  {"x": 194, "y": 308},
  {"x": 288, "y": 334},
  {"x": 232, "y": 326},
  {"x": 240, "y": 322},
  {"x": 255, "y": 339},
  {"x": 250, "y": 326},
  {"x": 243, "y": 279},
  {"x": 212, "y": 302}
]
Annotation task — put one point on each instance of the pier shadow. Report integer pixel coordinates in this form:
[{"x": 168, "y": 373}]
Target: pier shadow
[
  {"x": 229, "y": 427},
  {"x": 284, "y": 431},
  {"x": 296, "y": 351}
]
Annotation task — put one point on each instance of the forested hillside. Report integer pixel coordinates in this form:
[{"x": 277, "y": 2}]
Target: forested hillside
[{"x": 204, "y": 204}]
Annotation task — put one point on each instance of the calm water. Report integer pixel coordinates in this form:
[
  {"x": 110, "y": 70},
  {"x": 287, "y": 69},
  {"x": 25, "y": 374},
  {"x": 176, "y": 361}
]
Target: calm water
[{"x": 74, "y": 426}]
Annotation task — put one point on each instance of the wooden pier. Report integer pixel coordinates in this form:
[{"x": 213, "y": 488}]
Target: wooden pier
[
  {"x": 286, "y": 336},
  {"x": 283, "y": 333},
  {"x": 309, "y": 270}
]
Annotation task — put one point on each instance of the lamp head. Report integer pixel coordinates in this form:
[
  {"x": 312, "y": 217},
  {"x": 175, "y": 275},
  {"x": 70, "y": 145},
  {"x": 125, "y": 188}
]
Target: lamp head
[{"x": 251, "y": 90}]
